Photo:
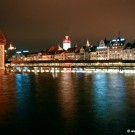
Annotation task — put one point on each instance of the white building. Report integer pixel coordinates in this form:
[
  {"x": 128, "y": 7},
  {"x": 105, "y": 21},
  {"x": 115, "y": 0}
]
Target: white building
[
  {"x": 102, "y": 51},
  {"x": 66, "y": 43},
  {"x": 11, "y": 47},
  {"x": 116, "y": 47},
  {"x": 129, "y": 51}
]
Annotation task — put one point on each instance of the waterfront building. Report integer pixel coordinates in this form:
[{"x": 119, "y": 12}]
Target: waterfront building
[
  {"x": 80, "y": 55},
  {"x": 2, "y": 50},
  {"x": 116, "y": 47},
  {"x": 71, "y": 53},
  {"x": 11, "y": 51},
  {"x": 102, "y": 51},
  {"x": 87, "y": 53},
  {"x": 93, "y": 53},
  {"x": 60, "y": 55},
  {"x": 66, "y": 43},
  {"x": 133, "y": 50},
  {"x": 87, "y": 50},
  {"x": 49, "y": 54},
  {"x": 129, "y": 51},
  {"x": 19, "y": 55},
  {"x": 37, "y": 56}
]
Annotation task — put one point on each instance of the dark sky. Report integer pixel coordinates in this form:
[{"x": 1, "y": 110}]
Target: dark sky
[{"x": 37, "y": 24}]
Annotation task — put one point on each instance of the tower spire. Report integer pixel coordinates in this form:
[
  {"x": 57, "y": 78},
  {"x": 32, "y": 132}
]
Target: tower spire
[
  {"x": 119, "y": 34},
  {"x": 87, "y": 44},
  {"x": 66, "y": 43}
]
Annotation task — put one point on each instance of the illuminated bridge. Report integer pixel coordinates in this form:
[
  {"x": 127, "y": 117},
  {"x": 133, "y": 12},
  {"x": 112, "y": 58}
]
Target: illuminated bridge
[{"x": 73, "y": 64}]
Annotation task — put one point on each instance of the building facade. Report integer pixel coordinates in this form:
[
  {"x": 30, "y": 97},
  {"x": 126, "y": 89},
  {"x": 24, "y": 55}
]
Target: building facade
[
  {"x": 116, "y": 47},
  {"x": 102, "y": 51},
  {"x": 66, "y": 43},
  {"x": 2, "y": 51}
]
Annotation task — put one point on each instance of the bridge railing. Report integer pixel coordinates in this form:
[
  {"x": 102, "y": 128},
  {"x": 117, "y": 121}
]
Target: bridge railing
[{"x": 73, "y": 63}]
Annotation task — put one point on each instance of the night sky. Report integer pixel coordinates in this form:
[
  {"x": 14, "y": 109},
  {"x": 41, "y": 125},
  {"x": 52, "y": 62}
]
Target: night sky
[{"x": 38, "y": 24}]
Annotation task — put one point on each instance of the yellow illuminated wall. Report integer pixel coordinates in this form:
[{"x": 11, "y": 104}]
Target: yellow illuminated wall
[{"x": 1, "y": 56}]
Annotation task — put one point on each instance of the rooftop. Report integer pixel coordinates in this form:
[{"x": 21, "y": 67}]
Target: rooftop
[{"x": 2, "y": 38}]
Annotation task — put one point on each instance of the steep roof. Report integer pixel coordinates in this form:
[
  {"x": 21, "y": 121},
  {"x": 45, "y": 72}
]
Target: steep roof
[
  {"x": 107, "y": 42},
  {"x": 133, "y": 45},
  {"x": 93, "y": 48},
  {"x": 74, "y": 50},
  {"x": 54, "y": 48},
  {"x": 59, "y": 51},
  {"x": 127, "y": 46},
  {"x": 118, "y": 40},
  {"x": 2, "y": 38}
]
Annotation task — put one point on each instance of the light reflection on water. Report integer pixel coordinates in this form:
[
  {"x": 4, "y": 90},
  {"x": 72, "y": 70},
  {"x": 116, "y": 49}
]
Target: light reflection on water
[
  {"x": 110, "y": 101},
  {"x": 66, "y": 95},
  {"x": 67, "y": 103},
  {"x": 23, "y": 89}
]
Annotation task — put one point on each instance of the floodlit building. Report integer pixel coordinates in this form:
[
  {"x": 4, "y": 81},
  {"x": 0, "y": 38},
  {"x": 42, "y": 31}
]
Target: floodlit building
[
  {"x": 66, "y": 43},
  {"x": 71, "y": 53},
  {"x": 129, "y": 51},
  {"x": 2, "y": 50},
  {"x": 49, "y": 54},
  {"x": 11, "y": 47},
  {"x": 102, "y": 51},
  {"x": 80, "y": 55},
  {"x": 133, "y": 50},
  {"x": 116, "y": 47},
  {"x": 93, "y": 53},
  {"x": 20, "y": 55},
  {"x": 60, "y": 55},
  {"x": 11, "y": 50}
]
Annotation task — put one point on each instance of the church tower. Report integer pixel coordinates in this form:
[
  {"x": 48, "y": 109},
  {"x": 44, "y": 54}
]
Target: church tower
[
  {"x": 87, "y": 44},
  {"x": 66, "y": 43},
  {"x": 2, "y": 51}
]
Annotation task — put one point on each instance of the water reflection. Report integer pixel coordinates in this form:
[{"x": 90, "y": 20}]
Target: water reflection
[
  {"x": 7, "y": 104},
  {"x": 70, "y": 103},
  {"x": 1, "y": 80},
  {"x": 66, "y": 95},
  {"x": 55, "y": 74},
  {"x": 23, "y": 98},
  {"x": 100, "y": 89},
  {"x": 23, "y": 87},
  {"x": 110, "y": 100}
]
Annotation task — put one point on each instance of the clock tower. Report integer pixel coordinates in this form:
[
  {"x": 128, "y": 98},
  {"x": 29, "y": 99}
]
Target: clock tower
[
  {"x": 2, "y": 51},
  {"x": 66, "y": 43}
]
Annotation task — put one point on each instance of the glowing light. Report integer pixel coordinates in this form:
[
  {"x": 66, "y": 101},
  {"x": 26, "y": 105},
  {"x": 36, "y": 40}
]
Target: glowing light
[
  {"x": 11, "y": 47},
  {"x": 18, "y": 52},
  {"x": 66, "y": 43},
  {"x": 101, "y": 47},
  {"x": 25, "y": 51}
]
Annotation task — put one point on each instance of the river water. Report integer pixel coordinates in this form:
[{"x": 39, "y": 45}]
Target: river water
[{"x": 67, "y": 103}]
